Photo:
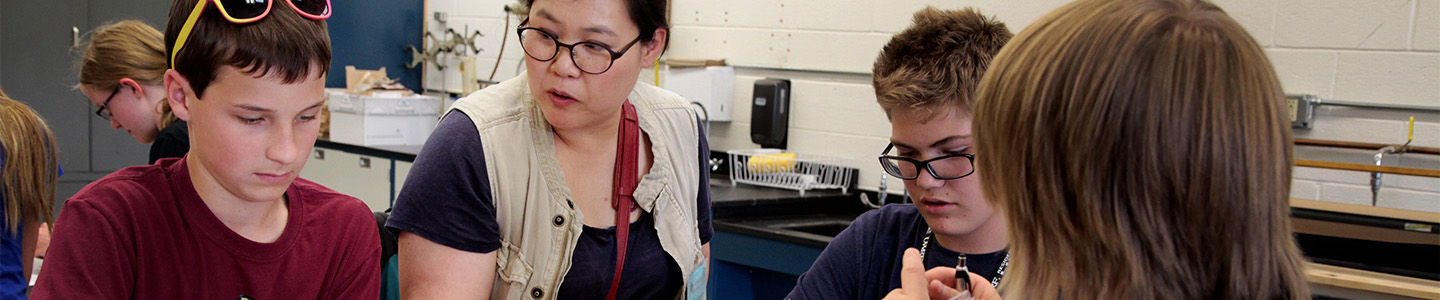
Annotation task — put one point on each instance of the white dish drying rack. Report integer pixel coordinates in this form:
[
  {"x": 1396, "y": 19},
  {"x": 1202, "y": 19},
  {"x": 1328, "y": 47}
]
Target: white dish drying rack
[{"x": 779, "y": 169}]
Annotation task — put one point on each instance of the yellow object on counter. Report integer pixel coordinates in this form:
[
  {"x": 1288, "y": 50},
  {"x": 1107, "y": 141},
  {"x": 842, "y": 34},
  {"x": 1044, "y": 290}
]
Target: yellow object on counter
[{"x": 771, "y": 163}]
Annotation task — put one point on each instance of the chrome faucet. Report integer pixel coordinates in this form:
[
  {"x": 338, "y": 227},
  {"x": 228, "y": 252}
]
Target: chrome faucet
[
  {"x": 883, "y": 193},
  {"x": 1375, "y": 176}
]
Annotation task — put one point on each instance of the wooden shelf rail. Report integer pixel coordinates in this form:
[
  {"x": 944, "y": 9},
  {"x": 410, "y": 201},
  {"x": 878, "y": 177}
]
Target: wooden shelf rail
[
  {"x": 1367, "y": 168},
  {"x": 1364, "y": 146}
]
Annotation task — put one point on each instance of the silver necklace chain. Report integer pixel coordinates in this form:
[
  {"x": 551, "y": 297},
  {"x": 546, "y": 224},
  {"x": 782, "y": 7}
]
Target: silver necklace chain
[{"x": 999, "y": 271}]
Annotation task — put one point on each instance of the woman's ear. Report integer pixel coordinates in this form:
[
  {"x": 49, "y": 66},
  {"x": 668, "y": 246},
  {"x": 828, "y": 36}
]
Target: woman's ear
[
  {"x": 179, "y": 94},
  {"x": 655, "y": 47}
]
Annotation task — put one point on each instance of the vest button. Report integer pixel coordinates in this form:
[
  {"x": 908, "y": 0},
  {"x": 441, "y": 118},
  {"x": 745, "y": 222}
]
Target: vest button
[
  {"x": 559, "y": 220},
  {"x": 536, "y": 293}
]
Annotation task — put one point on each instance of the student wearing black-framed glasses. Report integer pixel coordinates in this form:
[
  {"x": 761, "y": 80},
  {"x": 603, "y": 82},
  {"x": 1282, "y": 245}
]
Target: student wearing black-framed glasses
[{"x": 924, "y": 80}]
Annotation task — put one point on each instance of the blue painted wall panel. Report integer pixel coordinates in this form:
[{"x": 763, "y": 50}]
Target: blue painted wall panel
[{"x": 370, "y": 34}]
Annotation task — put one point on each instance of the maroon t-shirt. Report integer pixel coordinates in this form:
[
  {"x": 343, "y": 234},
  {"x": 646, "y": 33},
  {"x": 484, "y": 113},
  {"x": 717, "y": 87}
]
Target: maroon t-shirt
[{"x": 143, "y": 233}]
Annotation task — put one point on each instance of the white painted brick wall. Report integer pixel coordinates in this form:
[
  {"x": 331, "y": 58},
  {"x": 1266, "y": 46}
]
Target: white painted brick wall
[
  {"x": 1346, "y": 193},
  {"x": 1388, "y": 77},
  {"x": 1305, "y": 71},
  {"x": 1305, "y": 189},
  {"x": 1257, "y": 16},
  {"x": 1427, "y": 25},
  {"x": 1380, "y": 51},
  {"x": 1344, "y": 24}
]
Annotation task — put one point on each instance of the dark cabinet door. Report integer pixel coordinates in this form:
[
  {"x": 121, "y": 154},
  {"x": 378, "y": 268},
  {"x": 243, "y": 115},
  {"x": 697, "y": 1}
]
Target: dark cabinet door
[{"x": 38, "y": 66}]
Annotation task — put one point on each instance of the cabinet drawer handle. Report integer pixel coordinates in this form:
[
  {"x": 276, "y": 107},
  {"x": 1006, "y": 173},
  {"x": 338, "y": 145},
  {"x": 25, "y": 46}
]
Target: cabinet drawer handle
[
  {"x": 365, "y": 162},
  {"x": 318, "y": 154}
]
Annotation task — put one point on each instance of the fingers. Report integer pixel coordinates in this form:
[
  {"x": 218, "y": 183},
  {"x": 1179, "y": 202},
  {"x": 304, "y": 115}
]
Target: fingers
[
  {"x": 912, "y": 276},
  {"x": 981, "y": 288},
  {"x": 940, "y": 291},
  {"x": 896, "y": 294},
  {"x": 945, "y": 275}
]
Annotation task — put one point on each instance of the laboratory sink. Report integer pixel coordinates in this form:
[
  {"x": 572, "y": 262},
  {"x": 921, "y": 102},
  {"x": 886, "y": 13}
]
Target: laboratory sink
[
  {"x": 815, "y": 230},
  {"x": 812, "y": 218}
]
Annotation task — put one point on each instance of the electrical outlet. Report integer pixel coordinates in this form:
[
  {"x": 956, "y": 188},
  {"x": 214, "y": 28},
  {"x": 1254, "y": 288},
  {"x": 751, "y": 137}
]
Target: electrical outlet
[{"x": 1302, "y": 110}]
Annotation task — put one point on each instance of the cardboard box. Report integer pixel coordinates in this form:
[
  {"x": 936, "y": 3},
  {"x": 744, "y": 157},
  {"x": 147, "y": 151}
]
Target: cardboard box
[{"x": 381, "y": 118}]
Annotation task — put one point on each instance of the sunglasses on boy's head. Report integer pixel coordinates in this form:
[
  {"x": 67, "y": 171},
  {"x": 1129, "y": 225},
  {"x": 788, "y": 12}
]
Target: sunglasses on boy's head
[{"x": 246, "y": 11}]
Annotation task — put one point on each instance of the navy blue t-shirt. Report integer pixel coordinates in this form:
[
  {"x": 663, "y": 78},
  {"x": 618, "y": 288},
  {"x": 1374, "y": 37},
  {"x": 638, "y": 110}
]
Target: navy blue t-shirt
[
  {"x": 446, "y": 199},
  {"x": 864, "y": 261},
  {"x": 12, "y": 261}
]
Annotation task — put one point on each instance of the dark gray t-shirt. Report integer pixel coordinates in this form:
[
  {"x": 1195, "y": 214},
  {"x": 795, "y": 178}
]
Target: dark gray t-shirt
[{"x": 863, "y": 262}]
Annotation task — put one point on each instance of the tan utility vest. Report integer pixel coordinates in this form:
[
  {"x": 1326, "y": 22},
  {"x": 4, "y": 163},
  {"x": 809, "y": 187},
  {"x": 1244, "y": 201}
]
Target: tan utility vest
[{"x": 539, "y": 225}]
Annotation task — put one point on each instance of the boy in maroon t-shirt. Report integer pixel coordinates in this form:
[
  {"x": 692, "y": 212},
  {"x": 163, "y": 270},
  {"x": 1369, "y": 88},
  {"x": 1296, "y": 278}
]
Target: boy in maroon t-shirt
[{"x": 230, "y": 220}]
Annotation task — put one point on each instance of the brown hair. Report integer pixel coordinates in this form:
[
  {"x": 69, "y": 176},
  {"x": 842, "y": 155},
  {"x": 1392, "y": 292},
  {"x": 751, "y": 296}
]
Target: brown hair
[
  {"x": 282, "y": 42},
  {"x": 126, "y": 49},
  {"x": 1141, "y": 151},
  {"x": 28, "y": 170},
  {"x": 937, "y": 62}
]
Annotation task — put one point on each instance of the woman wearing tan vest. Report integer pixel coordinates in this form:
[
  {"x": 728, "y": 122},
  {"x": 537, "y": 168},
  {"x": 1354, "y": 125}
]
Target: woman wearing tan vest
[
  {"x": 1140, "y": 150},
  {"x": 519, "y": 191}
]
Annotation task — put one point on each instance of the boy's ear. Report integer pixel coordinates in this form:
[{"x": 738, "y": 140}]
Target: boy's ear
[
  {"x": 655, "y": 47},
  {"x": 179, "y": 94}
]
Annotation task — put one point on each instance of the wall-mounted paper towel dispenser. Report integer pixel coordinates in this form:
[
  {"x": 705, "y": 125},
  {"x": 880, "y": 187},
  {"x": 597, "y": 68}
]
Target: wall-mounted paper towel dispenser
[{"x": 712, "y": 88}]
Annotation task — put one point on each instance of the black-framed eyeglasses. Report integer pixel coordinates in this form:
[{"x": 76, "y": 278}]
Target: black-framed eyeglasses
[
  {"x": 104, "y": 110},
  {"x": 590, "y": 57},
  {"x": 946, "y": 167}
]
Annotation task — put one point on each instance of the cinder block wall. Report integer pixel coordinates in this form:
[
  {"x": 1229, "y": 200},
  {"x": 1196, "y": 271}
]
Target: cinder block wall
[{"x": 1368, "y": 51}]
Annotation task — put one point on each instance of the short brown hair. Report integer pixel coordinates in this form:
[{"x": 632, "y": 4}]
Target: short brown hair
[
  {"x": 937, "y": 62},
  {"x": 1145, "y": 145},
  {"x": 282, "y": 42}
]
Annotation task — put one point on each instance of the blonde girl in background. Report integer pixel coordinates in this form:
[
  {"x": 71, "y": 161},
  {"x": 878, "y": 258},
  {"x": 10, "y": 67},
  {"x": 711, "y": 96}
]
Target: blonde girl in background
[
  {"x": 122, "y": 72},
  {"x": 28, "y": 174}
]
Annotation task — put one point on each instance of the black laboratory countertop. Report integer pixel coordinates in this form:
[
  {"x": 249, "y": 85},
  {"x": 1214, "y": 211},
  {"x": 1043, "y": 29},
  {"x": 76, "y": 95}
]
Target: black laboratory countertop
[
  {"x": 811, "y": 219},
  {"x": 403, "y": 153}
]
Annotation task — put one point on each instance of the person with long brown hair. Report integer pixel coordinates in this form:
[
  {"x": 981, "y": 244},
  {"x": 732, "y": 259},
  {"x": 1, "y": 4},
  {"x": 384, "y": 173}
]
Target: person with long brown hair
[
  {"x": 1141, "y": 150},
  {"x": 28, "y": 175},
  {"x": 122, "y": 72}
]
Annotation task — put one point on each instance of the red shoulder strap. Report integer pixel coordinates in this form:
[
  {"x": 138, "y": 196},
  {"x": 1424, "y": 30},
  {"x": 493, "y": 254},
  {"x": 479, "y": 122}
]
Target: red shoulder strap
[{"x": 626, "y": 169}]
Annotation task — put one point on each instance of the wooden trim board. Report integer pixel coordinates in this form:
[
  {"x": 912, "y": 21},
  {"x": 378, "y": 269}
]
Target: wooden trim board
[
  {"x": 1367, "y": 168},
  {"x": 1384, "y": 212},
  {"x": 1371, "y": 281},
  {"x": 1361, "y": 232}
]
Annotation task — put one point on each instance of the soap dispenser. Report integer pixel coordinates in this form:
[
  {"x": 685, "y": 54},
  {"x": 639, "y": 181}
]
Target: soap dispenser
[{"x": 770, "y": 113}]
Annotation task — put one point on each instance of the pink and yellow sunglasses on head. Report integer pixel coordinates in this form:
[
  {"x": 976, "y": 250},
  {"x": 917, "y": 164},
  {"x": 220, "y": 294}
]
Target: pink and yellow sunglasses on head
[{"x": 246, "y": 11}]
